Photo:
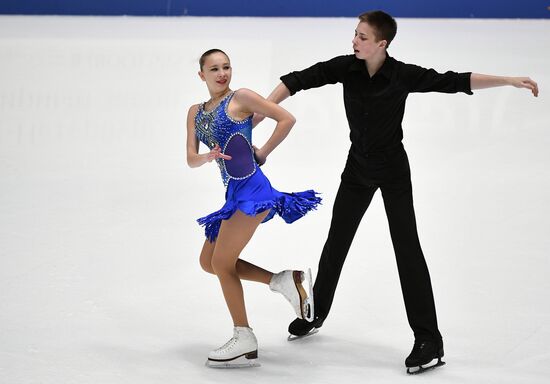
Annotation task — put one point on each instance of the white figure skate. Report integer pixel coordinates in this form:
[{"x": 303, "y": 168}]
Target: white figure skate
[
  {"x": 241, "y": 351},
  {"x": 289, "y": 284}
]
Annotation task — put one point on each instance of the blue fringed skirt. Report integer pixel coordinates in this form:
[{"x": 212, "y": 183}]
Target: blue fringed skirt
[{"x": 254, "y": 195}]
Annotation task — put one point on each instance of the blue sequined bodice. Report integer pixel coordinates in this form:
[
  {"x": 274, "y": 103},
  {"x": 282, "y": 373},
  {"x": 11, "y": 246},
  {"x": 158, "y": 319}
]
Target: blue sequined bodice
[{"x": 234, "y": 138}]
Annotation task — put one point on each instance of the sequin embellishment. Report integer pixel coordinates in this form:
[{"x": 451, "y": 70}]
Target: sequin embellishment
[{"x": 216, "y": 127}]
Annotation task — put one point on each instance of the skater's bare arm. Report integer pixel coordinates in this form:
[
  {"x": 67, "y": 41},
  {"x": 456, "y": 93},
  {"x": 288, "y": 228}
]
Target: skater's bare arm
[
  {"x": 194, "y": 159},
  {"x": 279, "y": 94},
  {"x": 254, "y": 103},
  {"x": 479, "y": 81}
]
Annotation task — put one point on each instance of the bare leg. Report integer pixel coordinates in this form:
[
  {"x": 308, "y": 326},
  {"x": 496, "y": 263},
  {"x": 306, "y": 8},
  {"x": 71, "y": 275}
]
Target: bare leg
[
  {"x": 245, "y": 270},
  {"x": 234, "y": 234}
]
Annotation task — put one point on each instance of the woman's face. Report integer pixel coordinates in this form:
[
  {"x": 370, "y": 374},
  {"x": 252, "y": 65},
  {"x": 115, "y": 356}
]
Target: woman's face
[{"x": 216, "y": 72}]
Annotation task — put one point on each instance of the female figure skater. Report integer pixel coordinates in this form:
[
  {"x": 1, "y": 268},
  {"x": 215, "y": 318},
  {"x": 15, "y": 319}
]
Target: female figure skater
[{"x": 224, "y": 124}]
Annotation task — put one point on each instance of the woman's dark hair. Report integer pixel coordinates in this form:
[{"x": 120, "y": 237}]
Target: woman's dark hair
[{"x": 208, "y": 53}]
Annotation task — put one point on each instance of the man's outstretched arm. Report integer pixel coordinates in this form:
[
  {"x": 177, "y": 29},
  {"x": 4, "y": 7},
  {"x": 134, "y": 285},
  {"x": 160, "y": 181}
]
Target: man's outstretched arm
[{"x": 479, "y": 81}]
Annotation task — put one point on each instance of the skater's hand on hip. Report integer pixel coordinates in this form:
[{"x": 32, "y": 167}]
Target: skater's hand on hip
[
  {"x": 216, "y": 153},
  {"x": 259, "y": 156}
]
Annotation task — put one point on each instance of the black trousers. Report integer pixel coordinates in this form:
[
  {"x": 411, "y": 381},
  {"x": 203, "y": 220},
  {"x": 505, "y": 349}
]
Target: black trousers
[{"x": 362, "y": 176}]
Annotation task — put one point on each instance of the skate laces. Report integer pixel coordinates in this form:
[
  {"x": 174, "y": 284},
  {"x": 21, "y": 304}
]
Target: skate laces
[{"x": 229, "y": 345}]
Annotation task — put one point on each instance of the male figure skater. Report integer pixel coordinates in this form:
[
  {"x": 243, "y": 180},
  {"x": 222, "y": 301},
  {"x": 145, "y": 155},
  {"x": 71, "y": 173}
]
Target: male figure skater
[{"x": 375, "y": 89}]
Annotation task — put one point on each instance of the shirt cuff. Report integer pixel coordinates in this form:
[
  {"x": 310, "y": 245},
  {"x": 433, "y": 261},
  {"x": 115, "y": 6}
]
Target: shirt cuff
[
  {"x": 291, "y": 82},
  {"x": 464, "y": 83}
]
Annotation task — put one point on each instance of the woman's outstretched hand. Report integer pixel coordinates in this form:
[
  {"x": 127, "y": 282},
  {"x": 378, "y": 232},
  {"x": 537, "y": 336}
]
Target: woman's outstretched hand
[{"x": 216, "y": 153}]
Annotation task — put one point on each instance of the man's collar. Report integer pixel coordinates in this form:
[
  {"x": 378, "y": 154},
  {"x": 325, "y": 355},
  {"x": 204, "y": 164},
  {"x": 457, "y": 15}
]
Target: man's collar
[{"x": 385, "y": 70}]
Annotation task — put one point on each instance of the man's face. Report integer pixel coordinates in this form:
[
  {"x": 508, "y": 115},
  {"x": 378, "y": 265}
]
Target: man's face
[{"x": 365, "y": 44}]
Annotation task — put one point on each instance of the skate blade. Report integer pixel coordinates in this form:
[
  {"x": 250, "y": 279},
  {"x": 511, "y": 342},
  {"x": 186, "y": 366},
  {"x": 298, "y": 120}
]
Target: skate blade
[
  {"x": 301, "y": 311},
  {"x": 424, "y": 368},
  {"x": 310, "y": 333},
  {"x": 239, "y": 362},
  {"x": 309, "y": 309}
]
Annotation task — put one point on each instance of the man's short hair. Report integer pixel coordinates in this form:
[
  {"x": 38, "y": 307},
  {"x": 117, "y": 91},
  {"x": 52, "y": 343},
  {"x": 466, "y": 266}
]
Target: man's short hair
[{"x": 383, "y": 24}]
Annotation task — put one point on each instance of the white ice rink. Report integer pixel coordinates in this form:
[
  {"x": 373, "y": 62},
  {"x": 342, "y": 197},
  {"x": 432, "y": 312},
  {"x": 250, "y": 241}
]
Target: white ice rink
[{"x": 99, "y": 275}]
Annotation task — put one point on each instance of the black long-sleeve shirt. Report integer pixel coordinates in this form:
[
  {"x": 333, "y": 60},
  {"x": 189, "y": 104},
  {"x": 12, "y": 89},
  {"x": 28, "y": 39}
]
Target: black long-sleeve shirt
[{"x": 375, "y": 105}]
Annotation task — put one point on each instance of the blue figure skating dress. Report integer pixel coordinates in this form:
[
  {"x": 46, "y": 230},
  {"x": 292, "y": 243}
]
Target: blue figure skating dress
[{"x": 247, "y": 188}]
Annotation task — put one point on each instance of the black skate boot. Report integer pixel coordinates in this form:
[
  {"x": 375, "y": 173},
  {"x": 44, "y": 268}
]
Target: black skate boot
[
  {"x": 422, "y": 354},
  {"x": 300, "y": 328}
]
